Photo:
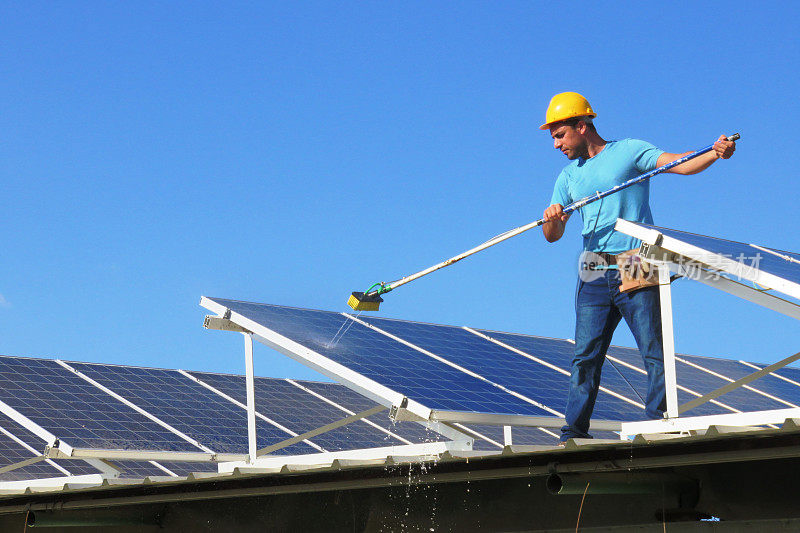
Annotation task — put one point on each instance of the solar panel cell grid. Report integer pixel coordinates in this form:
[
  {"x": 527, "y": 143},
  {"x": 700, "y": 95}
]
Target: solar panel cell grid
[
  {"x": 790, "y": 373},
  {"x": 639, "y": 378},
  {"x": 480, "y": 356},
  {"x": 138, "y": 469},
  {"x": 75, "y": 411},
  {"x": 398, "y": 367},
  {"x": 559, "y": 353},
  {"x": 187, "y": 406},
  {"x": 301, "y": 412},
  {"x": 442, "y": 388},
  {"x": 702, "y": 383},
  {"x": 735, "y": 370},
  {"x": 519, "y": 435}
]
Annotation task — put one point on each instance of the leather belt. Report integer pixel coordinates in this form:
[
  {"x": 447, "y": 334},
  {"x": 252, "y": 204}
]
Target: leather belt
[{"x": 610, "y": 259}]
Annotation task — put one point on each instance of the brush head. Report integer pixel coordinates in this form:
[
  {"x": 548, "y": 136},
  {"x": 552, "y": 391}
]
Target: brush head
[{"x": 362, "y": 302}]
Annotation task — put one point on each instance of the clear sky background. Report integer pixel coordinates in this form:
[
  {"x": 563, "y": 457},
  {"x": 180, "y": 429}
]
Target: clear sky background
[{"x": 292, "y": 152}]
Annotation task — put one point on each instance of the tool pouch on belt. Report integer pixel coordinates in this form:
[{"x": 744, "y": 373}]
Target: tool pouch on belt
[{"x": 635, "y": 273}]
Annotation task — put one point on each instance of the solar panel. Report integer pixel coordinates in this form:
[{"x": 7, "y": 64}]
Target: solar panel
[
  {"x": 188, "y": 407},
  {"x": 540, "y": 383},
  {"x": 787, "y": 393},
  {"x": 382, "y": 360},
  {"x": 629, "y": 362},
  {"x": 785, "y": 377},
  {"x": 11, "y": 451},
  {"x": 770, "y": 267},
  {"x": 300, "y": 411},
  {"x": 690, "y": 377},
  {"x": 441, "y": 367},
  {"x": 76, "y": 411},
  {"x": 623, "y": 372},
  {"x": 532, "y": 369},
  {"x": 138, "y": 469}
]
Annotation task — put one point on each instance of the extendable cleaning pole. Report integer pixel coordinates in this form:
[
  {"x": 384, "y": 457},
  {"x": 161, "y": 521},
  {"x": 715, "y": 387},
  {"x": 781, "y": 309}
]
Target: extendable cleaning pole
[{"x": 371, "y": 298}]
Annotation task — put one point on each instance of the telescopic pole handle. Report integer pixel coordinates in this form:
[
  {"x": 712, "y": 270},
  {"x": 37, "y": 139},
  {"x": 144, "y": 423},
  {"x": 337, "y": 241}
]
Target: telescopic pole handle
[{"x": 384, "y": 288}]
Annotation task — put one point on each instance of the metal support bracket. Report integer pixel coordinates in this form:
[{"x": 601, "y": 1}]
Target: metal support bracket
[
  {"x": 222, "y": 324},
  {"x": 401, "y": 413},
  {"x": 652, "y": 252},
  {"x": 320, "y": 430},
  {"x": 22, "y": 464},
  {"x": 142, "y": 455}
]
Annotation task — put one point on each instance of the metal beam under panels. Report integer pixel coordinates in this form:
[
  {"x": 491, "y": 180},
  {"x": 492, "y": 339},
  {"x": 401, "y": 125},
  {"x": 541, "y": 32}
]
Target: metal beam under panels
[
  {"x": 694, "y": 423},
  {"x": 320, "y": 430}
]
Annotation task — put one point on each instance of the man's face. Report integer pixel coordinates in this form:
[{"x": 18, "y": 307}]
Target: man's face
[{"x": 569, "y": 140}]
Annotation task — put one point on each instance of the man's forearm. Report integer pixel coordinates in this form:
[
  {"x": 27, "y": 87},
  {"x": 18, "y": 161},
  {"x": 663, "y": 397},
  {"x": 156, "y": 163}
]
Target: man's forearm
[
  {"x": 693, "y": 166},
  {"x": 553, "y": 230},
  {"x": 723, "y": 149}
]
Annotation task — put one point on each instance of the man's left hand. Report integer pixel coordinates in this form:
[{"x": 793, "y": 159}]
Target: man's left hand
[{"x": 724, "y": 148}]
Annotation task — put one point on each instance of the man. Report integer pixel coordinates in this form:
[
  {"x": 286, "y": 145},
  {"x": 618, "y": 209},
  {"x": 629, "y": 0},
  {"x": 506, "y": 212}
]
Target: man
[{"x": 598, "y": 165}]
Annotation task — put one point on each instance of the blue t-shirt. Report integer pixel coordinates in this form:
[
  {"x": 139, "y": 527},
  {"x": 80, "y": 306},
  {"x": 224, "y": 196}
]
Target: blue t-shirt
[{"x": 616, "y": 163}]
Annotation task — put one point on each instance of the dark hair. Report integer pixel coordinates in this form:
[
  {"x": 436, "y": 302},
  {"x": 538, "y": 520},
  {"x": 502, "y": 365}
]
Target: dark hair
[{"x": 572, "y": 122}]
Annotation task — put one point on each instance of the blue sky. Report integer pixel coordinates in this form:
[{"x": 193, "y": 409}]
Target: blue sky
[{"x": 292, "y": 152}]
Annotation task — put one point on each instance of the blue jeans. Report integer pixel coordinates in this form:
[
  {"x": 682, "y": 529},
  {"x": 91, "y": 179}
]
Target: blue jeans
[{"x": 599, "y": 307}]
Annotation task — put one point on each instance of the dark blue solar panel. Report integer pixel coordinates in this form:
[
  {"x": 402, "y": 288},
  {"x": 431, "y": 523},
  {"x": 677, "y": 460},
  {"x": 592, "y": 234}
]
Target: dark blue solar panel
[
  {"x": 187, "y": 406},
  {"x": 12, "y": 452},
  {"x": 76, "y": 411},
  {"x": 741, "y": 252},
  {"x": 736, "y": 370},
  {"x": 616, "y": 377},
  {"x": 300, "y": 411},
  {"x": 499, "y": 365},
  {"x": 383, "y": 360},
  {"x": 788, "y": 372},
  {"x": 142, "y": 469},
  {"x": 702, "y": 383},
  {"x": 634, "y": 358}
]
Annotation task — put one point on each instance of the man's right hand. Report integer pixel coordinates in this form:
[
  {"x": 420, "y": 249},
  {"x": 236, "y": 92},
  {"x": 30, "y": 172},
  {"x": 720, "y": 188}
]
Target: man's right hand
[
  {"x": 555, "y": 220},
  {"x": 555, "y": 212}
]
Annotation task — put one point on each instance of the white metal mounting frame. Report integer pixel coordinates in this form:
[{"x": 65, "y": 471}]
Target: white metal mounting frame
[{"x": 670, "y": 254}]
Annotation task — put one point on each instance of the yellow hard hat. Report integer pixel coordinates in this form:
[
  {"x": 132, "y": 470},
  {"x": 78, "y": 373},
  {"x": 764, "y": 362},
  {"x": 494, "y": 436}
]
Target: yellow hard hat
[{"x": 567, "y": 105}]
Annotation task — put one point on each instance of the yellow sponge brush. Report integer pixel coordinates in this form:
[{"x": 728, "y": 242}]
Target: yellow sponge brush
[{"x": 363, "y": 302}]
